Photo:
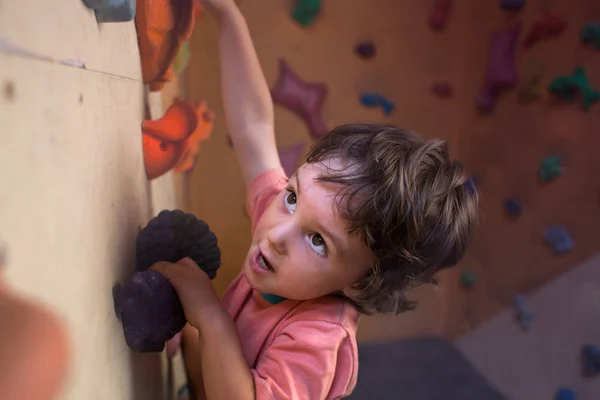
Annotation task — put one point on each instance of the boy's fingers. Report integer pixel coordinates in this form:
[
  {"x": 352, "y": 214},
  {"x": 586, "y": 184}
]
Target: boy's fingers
[
  {"x": 173, "y": 345},
  {"x": 189, "y": 262},
  {"x": 162, "y": 267}
]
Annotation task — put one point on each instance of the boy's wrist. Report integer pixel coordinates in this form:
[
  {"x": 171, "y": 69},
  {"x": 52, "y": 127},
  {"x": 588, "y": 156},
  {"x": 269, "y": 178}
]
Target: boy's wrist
[
  {"x": 226, "y": 12},
  {"x": 213, "y": 322},
  {"x": 208, "y": 314}
]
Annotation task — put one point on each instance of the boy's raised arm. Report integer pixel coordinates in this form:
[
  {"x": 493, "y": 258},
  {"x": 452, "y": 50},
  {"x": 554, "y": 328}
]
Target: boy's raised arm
[{"x": 246, "y": 97}]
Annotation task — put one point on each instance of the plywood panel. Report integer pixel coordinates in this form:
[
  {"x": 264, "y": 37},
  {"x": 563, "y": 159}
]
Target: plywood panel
[
  {"x": 66, "y": 31},
  {"x": 74, "y": 195}
]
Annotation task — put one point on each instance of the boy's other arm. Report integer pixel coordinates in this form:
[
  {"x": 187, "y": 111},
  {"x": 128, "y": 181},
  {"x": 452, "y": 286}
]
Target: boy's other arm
[{"x": 246, "y": 97}]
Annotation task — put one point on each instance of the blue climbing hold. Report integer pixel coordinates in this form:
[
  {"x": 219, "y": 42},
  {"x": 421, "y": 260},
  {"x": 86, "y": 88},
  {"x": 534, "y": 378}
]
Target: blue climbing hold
[
  {"x": 513, "y": 207},
  {"x": 183, "y": 393},
  {"x": 372, "y": 99},
  {"x": 559, "y": 239},
  {"x": 524, "y": 314},
  {"x": 590, "y": 357},
  {"x": 512, "y": 5},
  {"x": 112, "y": 10},
  {"x": 565, "y": 394},
  {"x": 472, "y": 184}
]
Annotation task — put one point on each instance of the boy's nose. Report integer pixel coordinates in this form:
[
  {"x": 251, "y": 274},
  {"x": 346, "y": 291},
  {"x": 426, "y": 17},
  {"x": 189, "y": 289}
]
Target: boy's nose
[{"x": 278, "y": 236}]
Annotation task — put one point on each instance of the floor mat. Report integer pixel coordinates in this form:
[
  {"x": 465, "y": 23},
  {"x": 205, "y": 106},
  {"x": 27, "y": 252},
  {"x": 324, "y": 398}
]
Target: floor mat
[{"x": 418, "y": 369}]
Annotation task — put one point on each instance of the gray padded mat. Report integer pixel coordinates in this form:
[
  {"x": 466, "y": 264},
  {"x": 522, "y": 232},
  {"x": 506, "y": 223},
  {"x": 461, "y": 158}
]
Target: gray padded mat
[{"x": 418, "y": 369}]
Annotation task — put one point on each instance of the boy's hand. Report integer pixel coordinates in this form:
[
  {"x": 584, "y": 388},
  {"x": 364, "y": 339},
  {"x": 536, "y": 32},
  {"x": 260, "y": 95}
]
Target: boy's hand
[
  {"x": 217, "y": 7},
  {"x": 193, "y": 287}
]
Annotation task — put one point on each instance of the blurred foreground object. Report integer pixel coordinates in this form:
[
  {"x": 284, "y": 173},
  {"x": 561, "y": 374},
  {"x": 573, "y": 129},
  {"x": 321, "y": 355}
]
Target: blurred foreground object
[{"x": 34, "y": 349}]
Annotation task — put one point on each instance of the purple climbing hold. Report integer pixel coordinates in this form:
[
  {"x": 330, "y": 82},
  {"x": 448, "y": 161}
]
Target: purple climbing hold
[
  {"x": 559, "y": 239},
  {"x": 147, "y": 305},
  {"x": 590, "y": 357},
  {"x": 371, "y": 99},
  {"x": 365, "y": 49},
  {"x": 290, "y": 157},
  {"x": 523, "y": 313},
  {"x": 173, "y": 235},
  {"x": 485, "y": 102},
  {"x": 149, "y": 310},
  {"x": 565, "y": 394},
  {"x": 442, "y": 89},
  {"x": 513, "y": 207},
  {"x": 501, "y": 72},
  {"x": 512, "y": 5}
]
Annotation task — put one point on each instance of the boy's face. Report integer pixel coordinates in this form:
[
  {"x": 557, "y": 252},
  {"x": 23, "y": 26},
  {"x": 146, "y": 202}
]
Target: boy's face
[{"x": 301, "y": 249}]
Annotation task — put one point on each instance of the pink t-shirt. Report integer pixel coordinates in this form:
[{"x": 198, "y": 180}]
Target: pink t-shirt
[{"x": 297, "y": 350}]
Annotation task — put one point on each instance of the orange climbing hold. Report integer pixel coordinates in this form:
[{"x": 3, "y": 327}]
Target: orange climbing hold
[
  {"x": 200, "y": 134},
  {"x": 173, "y": 140},
  {"x": 162, "y": 26}
]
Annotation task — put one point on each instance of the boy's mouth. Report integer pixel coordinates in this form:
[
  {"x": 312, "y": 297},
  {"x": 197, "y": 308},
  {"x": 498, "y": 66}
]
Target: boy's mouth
[{"x": 263, "y": 263}]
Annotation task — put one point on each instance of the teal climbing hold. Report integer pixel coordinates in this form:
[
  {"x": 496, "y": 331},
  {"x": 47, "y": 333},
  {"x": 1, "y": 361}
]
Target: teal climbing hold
[
  {"x": 550, "y": 168},
  {"x": 468, "y": 279},
  {"x": 591, "y": 34},
  {"x": 306, "y": 11},
  {"x": 272, "y": 298},
  {"x": 568, "y": 86}
]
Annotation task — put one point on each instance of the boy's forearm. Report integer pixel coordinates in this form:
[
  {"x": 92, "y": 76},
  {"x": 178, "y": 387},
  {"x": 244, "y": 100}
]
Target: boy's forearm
[
  {"x": 192, "y": 360},
  {"x": 225, "y": 373},
  {"x": 246, "y": 96}
]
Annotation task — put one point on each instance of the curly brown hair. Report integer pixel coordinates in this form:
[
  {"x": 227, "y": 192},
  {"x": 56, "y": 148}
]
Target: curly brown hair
[{"x": 413, "y": 206}]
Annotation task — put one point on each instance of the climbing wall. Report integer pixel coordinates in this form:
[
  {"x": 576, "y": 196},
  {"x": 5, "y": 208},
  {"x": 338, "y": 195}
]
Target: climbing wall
[
  {"x": 503, "y": 148},
  {"x": 73, "y": 188},
  {"x": 402, "y": 69}
]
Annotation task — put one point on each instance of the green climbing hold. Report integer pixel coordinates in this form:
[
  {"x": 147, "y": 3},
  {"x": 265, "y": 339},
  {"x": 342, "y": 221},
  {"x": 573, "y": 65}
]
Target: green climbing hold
[
  {"x": 468, "y": 279},
  {"x": 550, "y": 168},
  {"x": 591, "y": 33},
  {"x": 567, "y": 86},
  {"x": 182, "y": 59},
  {"x": 306, "y": 11}
]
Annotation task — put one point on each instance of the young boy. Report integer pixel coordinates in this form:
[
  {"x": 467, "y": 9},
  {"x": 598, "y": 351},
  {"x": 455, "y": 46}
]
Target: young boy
[{"x": 373, "y": 211}]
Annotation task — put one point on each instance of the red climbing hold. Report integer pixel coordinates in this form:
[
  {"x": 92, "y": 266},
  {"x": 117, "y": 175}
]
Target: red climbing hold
[
  {"x": 442, "y": 89},
  {"x": 549, "y": 25},
  {"x": 440, "y": 14}
]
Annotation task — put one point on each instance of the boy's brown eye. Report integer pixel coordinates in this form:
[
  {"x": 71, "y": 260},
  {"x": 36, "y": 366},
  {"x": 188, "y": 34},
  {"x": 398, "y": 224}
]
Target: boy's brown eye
[
  {"x": 291, "y": 198},
  {"x": 317, "y": 240}
]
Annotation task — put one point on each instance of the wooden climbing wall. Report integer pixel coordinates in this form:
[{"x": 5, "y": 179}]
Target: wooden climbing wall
[
  {"x": 73, "y": 190},
  {"x": 503, "y": 148}
]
